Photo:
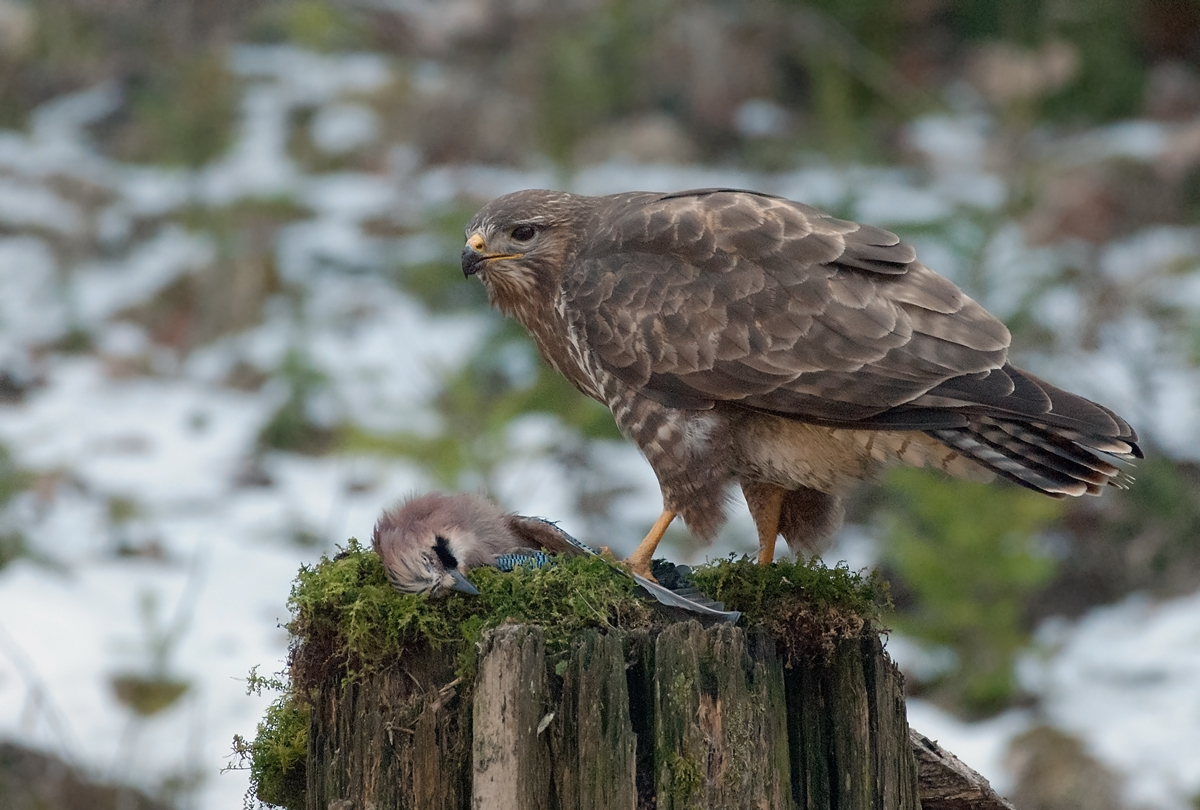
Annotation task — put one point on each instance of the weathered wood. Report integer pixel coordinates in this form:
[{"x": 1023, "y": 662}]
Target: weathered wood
[
  {"x": 947, "y": 783},
  {"x": 894, "y": 765},
  {"x": 848, "y": 731},
  {"x": 639, "y": 675},
  {"x": 849, "y": 714},
  {"x": 510, "y": 756},
  {"x": 681, "y": 717},
  {"x": 595, "y": 749},
  {"x": 720, "y": 720},
  {"x": 396, "y": 739},
  {"x": 439, "y": 752},
  {"x": 809, "y": 737}
]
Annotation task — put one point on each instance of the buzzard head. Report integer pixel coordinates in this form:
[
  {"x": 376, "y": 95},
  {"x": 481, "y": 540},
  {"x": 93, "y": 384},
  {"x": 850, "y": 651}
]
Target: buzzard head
[{"x": 519, "y": 244}]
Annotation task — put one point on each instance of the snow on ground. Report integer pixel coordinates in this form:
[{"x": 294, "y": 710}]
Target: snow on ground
[
  {"x": 156, "y": 552},
  {"x": 1124, "y": 679}
]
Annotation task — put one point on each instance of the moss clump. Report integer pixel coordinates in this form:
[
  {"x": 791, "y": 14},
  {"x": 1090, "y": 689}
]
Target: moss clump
[
  {"x": 806, "y": 607},
  {"x": 278, "y": 756},
  {"x": 278, "y": 766},
  {"x": 147, "y": 695},
  {"x": 345, "y": 613},
  {"x": 686, "y": 778},
  {"x": 347, "y": 618}
]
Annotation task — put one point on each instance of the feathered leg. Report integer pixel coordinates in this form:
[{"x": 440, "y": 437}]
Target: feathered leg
[
  {"x": 765, "y": 502},
  {"x": 809, "y": 519}
]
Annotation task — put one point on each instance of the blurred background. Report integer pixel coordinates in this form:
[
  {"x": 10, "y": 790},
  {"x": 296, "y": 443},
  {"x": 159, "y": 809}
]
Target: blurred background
[{"x": 233, "y": 328}]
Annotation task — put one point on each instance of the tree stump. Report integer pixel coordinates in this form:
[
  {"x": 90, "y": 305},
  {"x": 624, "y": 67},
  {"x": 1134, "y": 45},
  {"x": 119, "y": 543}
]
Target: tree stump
[{"x": 677, "y": 717}]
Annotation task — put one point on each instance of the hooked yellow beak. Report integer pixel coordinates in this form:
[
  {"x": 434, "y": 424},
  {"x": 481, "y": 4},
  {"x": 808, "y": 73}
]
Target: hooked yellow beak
[{"x": 475, "y": 254}]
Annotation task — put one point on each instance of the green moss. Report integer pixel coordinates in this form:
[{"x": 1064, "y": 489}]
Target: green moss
[
  {"x": 346, "y": 604},
  {"x": 278, "y": 756},
  {"x": 806, "y": 607},
  {"x": 347, "y": 619},
  {"x": 147, "y": 695},
  {"x": 687, "y": 777}
]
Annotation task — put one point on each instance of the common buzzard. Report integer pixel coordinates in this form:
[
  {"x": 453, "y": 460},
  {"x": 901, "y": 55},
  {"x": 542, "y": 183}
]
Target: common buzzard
[{"x": 739, "y": 336}]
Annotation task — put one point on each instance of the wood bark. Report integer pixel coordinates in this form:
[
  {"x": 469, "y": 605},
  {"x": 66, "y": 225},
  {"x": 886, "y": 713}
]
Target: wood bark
[
  {"x": 511, "y": 755},
  {"x": 686, "y": 717},
  {"x": 594, "y": 745}
]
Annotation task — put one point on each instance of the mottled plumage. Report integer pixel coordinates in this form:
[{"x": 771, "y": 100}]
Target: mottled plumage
[
  {"x": 429, "y": 542},
  {"x": 738, "y": 336}
]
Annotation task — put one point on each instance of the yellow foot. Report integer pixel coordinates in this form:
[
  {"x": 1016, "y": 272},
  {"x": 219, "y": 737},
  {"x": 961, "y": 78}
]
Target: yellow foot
[
  {"x": 638, "y": 568},
  {"x": 639, "y": 561},
  {"x": 765, "y": 502}
]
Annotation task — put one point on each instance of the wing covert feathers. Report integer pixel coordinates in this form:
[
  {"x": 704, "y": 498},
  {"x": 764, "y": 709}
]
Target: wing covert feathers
[{"x": 716, "y": 298}]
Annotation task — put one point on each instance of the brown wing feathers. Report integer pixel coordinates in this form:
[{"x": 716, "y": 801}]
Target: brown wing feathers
[{"x": 710, "y": 297}]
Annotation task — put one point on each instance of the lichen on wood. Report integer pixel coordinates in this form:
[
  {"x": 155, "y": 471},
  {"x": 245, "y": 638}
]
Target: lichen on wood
[{"x": 717, "y": 693}]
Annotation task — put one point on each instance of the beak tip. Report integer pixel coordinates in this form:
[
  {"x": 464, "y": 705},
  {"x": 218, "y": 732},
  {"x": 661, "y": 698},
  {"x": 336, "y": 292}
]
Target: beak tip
[
  {"x": 471, "y": 260},
  {"x": 462, "y": 584}
]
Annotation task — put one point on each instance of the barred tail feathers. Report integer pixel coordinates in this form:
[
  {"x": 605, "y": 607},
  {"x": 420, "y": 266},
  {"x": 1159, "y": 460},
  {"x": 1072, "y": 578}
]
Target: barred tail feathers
[{"x": 1054, "y": 460}]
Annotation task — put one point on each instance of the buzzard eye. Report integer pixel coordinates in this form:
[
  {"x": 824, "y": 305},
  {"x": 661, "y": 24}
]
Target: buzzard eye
[{"x": 523, "y": 233}]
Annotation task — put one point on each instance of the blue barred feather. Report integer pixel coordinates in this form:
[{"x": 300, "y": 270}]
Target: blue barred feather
[{"x": 516, "y": 559}]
